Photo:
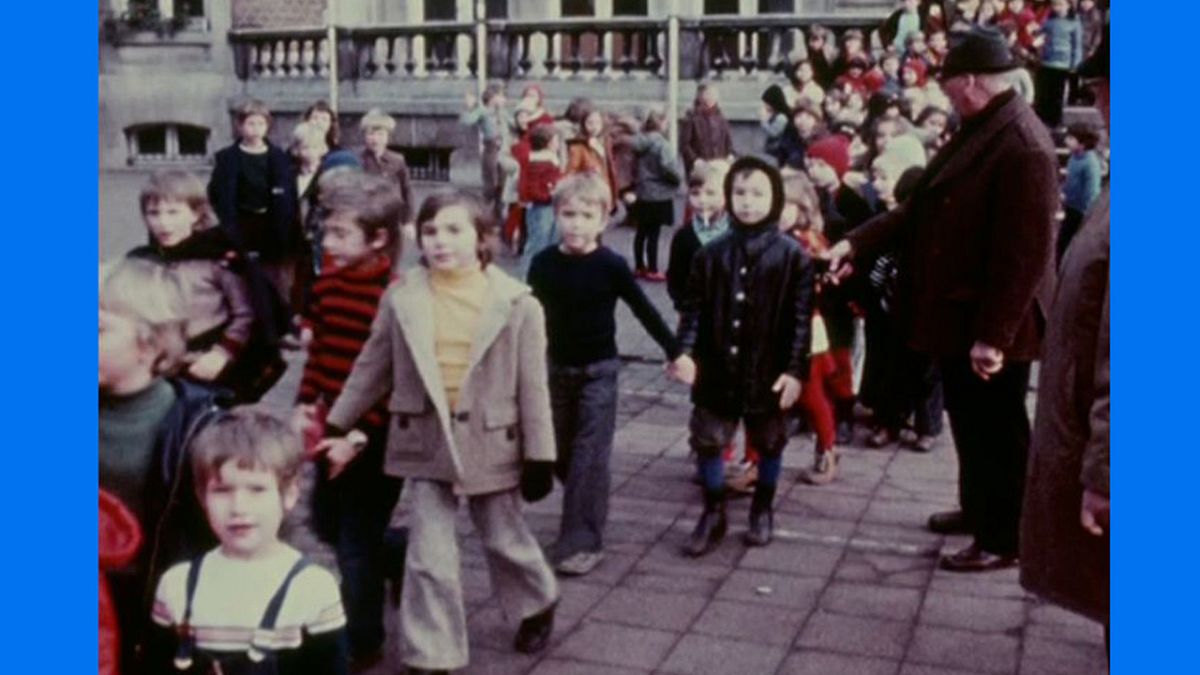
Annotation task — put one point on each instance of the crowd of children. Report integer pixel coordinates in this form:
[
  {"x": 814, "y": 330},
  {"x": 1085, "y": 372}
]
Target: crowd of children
[{"x": 454, "y": 380}]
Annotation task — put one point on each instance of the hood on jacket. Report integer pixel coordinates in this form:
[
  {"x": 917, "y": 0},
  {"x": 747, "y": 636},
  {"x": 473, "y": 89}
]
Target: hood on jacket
[{"x": 754, "y": 163}]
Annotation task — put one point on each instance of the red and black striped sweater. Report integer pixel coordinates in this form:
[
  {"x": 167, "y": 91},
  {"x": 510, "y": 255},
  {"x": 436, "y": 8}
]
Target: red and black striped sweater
[{"x": 344, "y": 303}]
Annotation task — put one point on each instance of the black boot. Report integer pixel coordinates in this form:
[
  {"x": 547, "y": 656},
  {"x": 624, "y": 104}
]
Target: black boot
[
  {"x": 712, "y": 526},
  {"x": 762, "y": 516},
  {"x": 844, "y": 414}
]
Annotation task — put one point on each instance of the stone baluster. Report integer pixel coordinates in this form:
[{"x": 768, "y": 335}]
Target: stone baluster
[
  {"x": 463, "y": 48},
  {"x": 322, "y": 58},
  {"x": 417, "y": 52},
  {"x": 524, "y": 62},
  {"x": 279, "y": 58},
  {"x": 293, "y": 66},
  {"x": 308, "y": 59},
  {"x": 258, "y": 59},
  {"x": 539, "y": 47},
  {"x": 554, "y": 56}
]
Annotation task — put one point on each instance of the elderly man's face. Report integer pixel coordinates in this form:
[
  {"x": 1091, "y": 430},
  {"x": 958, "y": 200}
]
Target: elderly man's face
[{"x": 955, "y": 88}]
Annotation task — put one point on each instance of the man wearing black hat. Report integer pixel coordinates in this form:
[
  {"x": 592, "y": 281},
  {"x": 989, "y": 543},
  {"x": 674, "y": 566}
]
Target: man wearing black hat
[
  {"x": 977, "y": 234},
  {"x": 1064, "y": 523}
]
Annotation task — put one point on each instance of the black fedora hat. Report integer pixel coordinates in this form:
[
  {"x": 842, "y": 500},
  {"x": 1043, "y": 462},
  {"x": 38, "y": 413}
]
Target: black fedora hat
[{"x": 981, "y": 49}]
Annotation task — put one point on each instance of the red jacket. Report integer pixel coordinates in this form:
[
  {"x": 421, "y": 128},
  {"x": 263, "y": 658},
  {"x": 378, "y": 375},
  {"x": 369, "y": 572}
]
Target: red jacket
[
  {"x": 538, "y": 179},
  {"x": 120, "y": 538}
]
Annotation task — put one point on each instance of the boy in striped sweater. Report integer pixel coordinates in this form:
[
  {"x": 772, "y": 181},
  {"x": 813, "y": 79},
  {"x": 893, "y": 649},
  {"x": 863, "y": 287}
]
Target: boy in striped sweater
[{"x": 353, "y": 500}]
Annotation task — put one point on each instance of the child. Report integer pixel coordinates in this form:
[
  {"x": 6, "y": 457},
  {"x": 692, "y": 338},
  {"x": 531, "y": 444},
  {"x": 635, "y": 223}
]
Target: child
[
  {"x": 539, "y": 175},
  {"x": 253, "y": 192},
  {"x": 592, "y": 151},
  {"x": 830, "y": 381},
  {"x": 745, "y": 322},
  {"x": 120, "y": 538},
  {"x": 219, "y": 313},
  {"x": 377, "y": 159},
  {"x": 487, "y": 115},
  {"x": 706, "y": 203},
  {"x": 579, "y": 282},
  {"x": 353, "y": 500},
  {"x": 804, "y": 85},
  {"x": 903, "y": 23},
  {"x": 146, "y": 423},
  {"x": 1062, "y": 50},
  {"x": 705, "y": 132},
  {"x": 324, "y": 117},
  {"x": 659, "y": 176},
  {"x": 253, "y": 599},
  {"x": 773, "y": 117},
  {"x": 459, "y": 350},
  {"x": 1082, "y": 186}
]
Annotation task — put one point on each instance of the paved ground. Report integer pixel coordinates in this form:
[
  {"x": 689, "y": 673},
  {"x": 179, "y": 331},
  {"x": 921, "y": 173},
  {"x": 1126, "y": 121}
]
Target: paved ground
[{"x": 849, "y": 587}]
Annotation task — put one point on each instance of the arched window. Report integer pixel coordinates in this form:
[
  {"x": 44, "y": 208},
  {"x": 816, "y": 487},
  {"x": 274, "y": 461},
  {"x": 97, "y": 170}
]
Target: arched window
[{"x": 167, "y": 143}]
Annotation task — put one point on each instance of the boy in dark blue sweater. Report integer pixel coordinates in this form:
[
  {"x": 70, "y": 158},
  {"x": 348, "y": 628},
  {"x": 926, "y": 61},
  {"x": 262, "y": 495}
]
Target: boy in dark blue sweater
[{"x": 579, "y": 282}]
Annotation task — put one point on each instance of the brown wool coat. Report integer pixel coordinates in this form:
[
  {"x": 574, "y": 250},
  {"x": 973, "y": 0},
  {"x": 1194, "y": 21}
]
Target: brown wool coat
[
  {"x": 977, "y": 238},
  {"x": 393, "y": 167},
  {"x": 1070, "y": 448},
  {"x": 582, "y": 158},
  {"x": 503, "y": 412}
]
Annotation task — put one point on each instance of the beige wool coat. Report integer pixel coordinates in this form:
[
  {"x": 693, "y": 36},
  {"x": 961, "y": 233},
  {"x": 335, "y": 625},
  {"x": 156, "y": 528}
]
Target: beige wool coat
[
  {"x": 1070, "y": 445},
  {"x": 502, "y": 417}
]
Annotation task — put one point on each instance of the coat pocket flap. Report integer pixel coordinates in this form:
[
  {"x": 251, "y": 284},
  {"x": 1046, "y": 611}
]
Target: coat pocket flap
[{"x": 500, "y": 415}]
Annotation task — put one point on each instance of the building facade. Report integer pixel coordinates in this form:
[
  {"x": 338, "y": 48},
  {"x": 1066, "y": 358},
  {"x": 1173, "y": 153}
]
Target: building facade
[{"x": 172, "y": 70}]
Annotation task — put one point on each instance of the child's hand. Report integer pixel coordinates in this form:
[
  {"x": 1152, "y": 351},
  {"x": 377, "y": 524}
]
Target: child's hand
[
  {"x": 339, "y": 452},
  {"x": 838, "y": 256},
  {"x": 306, "y": 337},
  {"x": 629, "y": 197},
  {"x": 1093, "y": 513},
  {"x": 303, "y": 417},
  {"x": 210, "y": 365},
  {"x": 470, "y": 100},
  {"x": 683, "y": 369},
  {"x": 788, "y": 389}
]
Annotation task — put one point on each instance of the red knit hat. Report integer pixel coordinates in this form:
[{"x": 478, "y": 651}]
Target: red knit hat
[{"x": 833, "y": 150}]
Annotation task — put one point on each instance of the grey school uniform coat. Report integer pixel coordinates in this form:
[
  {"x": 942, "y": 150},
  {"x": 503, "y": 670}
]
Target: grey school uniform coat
[{"x": 503, "y": 413}]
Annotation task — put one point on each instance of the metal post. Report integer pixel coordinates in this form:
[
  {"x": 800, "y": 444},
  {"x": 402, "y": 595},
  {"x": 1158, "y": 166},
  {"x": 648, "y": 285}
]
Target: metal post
[
  {"x": 331, "y": 41},
  {"x": 481, "y": 52},
  {"x": 673, "y": 75}
]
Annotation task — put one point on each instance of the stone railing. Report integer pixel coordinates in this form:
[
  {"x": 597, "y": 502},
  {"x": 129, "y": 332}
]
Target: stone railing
[
  {"x": 292, "y": 53},
  {"x": 571, "y": 48}
]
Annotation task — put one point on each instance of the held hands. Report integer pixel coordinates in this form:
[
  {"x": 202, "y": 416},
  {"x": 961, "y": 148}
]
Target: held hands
[
  {"x": 986, "y": 360},
  {"x": 682, "y": 369},
  {"x": 838, "y": 256},
  {"x": 1093, "y": 513},
  {"x": 339, "y": 452},
  {"x": 469, "y": 100},
  {"x": 629, "y": 197},
  {"x": 208, "y": 366},
  {"x": 788, "y": 388}
]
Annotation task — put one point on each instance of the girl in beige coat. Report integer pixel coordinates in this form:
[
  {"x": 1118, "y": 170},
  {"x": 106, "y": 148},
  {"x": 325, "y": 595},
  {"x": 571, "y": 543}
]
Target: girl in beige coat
[{"x": 459, "y": 351}]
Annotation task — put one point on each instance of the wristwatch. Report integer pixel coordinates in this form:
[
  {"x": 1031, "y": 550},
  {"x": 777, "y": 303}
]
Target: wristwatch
[{"x": 358, "y": 440}]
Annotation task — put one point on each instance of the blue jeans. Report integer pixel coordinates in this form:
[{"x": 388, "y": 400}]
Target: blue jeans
[
  {"x": 540, "y": 232},
  {"x": 353, "y": 512},
  {"x": 584, "y": 405}
]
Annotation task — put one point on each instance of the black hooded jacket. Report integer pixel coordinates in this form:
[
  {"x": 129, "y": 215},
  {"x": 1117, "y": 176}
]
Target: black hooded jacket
[{"x": 746, "y": 317}]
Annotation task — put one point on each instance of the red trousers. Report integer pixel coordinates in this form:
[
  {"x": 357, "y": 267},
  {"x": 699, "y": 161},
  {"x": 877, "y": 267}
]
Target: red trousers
[{"x": 830, "y": 378}]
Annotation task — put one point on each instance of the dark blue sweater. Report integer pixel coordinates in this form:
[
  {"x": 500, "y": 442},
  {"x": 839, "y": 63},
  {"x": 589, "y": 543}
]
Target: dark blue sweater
[{"x": 579, "y": 294}]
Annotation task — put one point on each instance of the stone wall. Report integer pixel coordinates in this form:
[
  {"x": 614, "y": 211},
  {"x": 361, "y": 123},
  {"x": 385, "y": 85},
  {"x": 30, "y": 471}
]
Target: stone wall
[{"x": 278, "y": 13}]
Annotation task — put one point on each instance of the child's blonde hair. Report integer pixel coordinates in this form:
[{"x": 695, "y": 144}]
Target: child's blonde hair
[
  {"x": 149, "y": 295},
  {"x": 799, "y": 190},
  {"x": 251, "y": 438},
  {"x": 377, "y": 119},
  {"x": 586, "y": 186},
  {"x": 307, "y": 134},
  {"x": 705, "y": 170},
  {"x": 179, "y": 186}
]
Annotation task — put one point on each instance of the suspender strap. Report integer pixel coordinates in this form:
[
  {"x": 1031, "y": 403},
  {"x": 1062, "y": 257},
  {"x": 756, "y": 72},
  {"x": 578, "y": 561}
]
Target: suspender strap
[
  {"x": 187, "y": 639},
  {"x": 267, "y": 624}
]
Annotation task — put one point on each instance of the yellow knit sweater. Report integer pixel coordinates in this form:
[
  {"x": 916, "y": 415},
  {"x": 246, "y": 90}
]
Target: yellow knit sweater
[{"x": 458, "y": 297}]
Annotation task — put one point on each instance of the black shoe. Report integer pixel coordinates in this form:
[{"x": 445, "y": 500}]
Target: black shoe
[
  {"x": 424, "y": 671},
  {"x": 709, "y": 531},
  {"x": 948, "y": 522},
  {"x": 845, "y": 433},
  {"x": 762, "y": 527},
  {"x": 535, "y": 631}
]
